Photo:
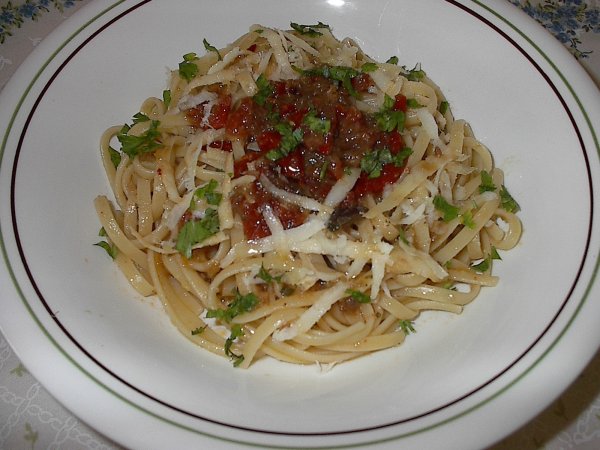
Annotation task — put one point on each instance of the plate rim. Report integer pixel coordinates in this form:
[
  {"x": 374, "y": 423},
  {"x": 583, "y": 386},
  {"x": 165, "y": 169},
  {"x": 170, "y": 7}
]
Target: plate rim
[{"x": 591, "y": 282}]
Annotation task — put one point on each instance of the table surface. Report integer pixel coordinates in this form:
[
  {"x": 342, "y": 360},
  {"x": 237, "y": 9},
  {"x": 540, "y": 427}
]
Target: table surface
[{"x": 31, "y": 418}]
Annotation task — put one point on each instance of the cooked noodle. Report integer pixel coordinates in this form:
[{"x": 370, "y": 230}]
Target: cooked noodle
[{"x": 311, "y": 234}]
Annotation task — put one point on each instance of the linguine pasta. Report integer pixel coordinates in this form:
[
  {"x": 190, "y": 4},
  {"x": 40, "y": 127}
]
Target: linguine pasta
[{"x": 288, "y": 196}]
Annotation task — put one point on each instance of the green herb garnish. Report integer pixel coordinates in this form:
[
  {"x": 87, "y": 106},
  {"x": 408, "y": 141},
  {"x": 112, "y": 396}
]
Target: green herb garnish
[
  {"x": 413, "y": 103},
  {"x": 372, "y": 163},
  {"x": 264, "y": 275},
  {"x": 317, "y": 124},
  {"x": 392, "y": 60},
  {"x": 449, "y": 211},
  {"x": 290, "y": 139},
  {"x": 240, "y": 304},
  {"x": 208, "y": 193},
  {"x": 323, "y": 171},
  {"x": 195, "y": 231},
  {"x": 487, "y": 183},
  {"x": 485, "y": 265},
  {"x": 507, "y": 201},
  {"x": 111, "y": 250},
  {"x": 145, "y": 143},
  {"x": 467, "y": 219},
  {"x": 358, "y": 296},
  {"x": 187, "y": 68},
  {"x": 140, "y": 117},
  {"x": 407, "y": 326},
  {"x": 265, "y": 89},
  {"x": 416, "y": 74},
  {"x": 199, "y": 330},
  {"x": 444, "y": 105},
  {"x": 236, "y": 332},
  {"x": 341, "y": 74},
  {"x": 309, "y": 30},
  {"x": 368, "y": 67},
  {"x": 402, "y": 235},
  {"x": 166, "y": 97},
  {"x": 388, "y": 119},
  {"x": 115, "y": 156},
  {"x": 211, "y": 48}
]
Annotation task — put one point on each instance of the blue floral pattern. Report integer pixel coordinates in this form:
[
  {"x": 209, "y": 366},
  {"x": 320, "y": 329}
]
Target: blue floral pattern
[
  {"x": 566, "y": 19},
  {"x": 13, "y": 16}
]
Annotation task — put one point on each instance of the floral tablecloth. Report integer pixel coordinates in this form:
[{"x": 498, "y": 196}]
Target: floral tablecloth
[{"x": 31, "y": 418}]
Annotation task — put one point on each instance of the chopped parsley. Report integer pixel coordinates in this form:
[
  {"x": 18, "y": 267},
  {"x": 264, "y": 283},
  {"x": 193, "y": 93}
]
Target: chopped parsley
[
  {"x": 208, "y": 193},
  {"x": 444, "y": 105},
  {"x": 487, "y": 183},
  {"x": 111, "y": 250},
  {"x": 368, "y": 67},
  {"x": 485, "y": 265},
  {"x": 197, "y": 331},
  {"x": 317, "y": 124},
  {"x": 145, "y": 143},
  {"x": 392, "y": 60},
  {"x": 467, "y": 219},
  {"x": 407, "y": 326},
  {"x": 187, "y": 68},
  {"x": 236, "y": 332},
  {"x": 211, "y": 48},
  {"x": 264, "y": 275},
  {"x": 140, "y": 117},
  {"x": 388, "y": 119},
  {"x": 240, "y": 304},
  {"x": 115, "y": 156},
  {"x": 416, "y": 74},
  {"x": 323, "y": 171},
  {"x": 402, "y": 235},
  {"x": 309, "y": 30},
  {"x": 265, "y": 89},
  {"x": 507, "y": 201},
  {"x": 358, "y": 296},
  {"x": 372, "y": 163},
  {"x": 197, "y": 230},
  {"x": 166, "y": 97},
  {"x": 341, "y": 74},
  {"x": 413, "y": 103},
  {"x": 290, "y": 139},
  {"x": 450, "y": 212},
  {"x": 449, "y": 285}
]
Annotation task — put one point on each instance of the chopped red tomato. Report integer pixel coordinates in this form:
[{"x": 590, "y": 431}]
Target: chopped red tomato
[
  {"x": 241, "y": 165},
  {"x": 396, "y": 142},
  {"x": 255, "y": 226},
  {"x": 400, "y": 103},
  {"x": 220, "y": 112},
  {"x": 223, "y": 145},
  {"x": 365, "y": 185},
  {"x": 268, "y": 140},
  {"x": 292, "y": 165},
  {"x": 239, "y": 121},
  {"x": 325, "y": 148},
  {"x": 362, "y": 82}
]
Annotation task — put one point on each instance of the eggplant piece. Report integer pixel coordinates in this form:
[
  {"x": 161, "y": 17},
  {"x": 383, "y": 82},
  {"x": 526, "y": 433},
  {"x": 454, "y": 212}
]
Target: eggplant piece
[{"x": 343, "y": 215}]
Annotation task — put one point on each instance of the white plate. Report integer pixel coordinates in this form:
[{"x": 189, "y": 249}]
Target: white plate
[{"x": 460, "y": 381}]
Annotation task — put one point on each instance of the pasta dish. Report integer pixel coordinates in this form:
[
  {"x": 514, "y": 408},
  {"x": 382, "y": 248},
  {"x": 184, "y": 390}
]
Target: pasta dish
[{"x": 289, "y": 196}]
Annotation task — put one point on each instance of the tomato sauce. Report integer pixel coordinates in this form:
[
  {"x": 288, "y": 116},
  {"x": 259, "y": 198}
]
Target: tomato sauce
[{"x": 311, "y": 165}]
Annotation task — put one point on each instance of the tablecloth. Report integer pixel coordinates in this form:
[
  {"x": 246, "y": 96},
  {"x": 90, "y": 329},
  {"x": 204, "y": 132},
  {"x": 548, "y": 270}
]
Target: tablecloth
[{"x": 32, "y": 419}]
